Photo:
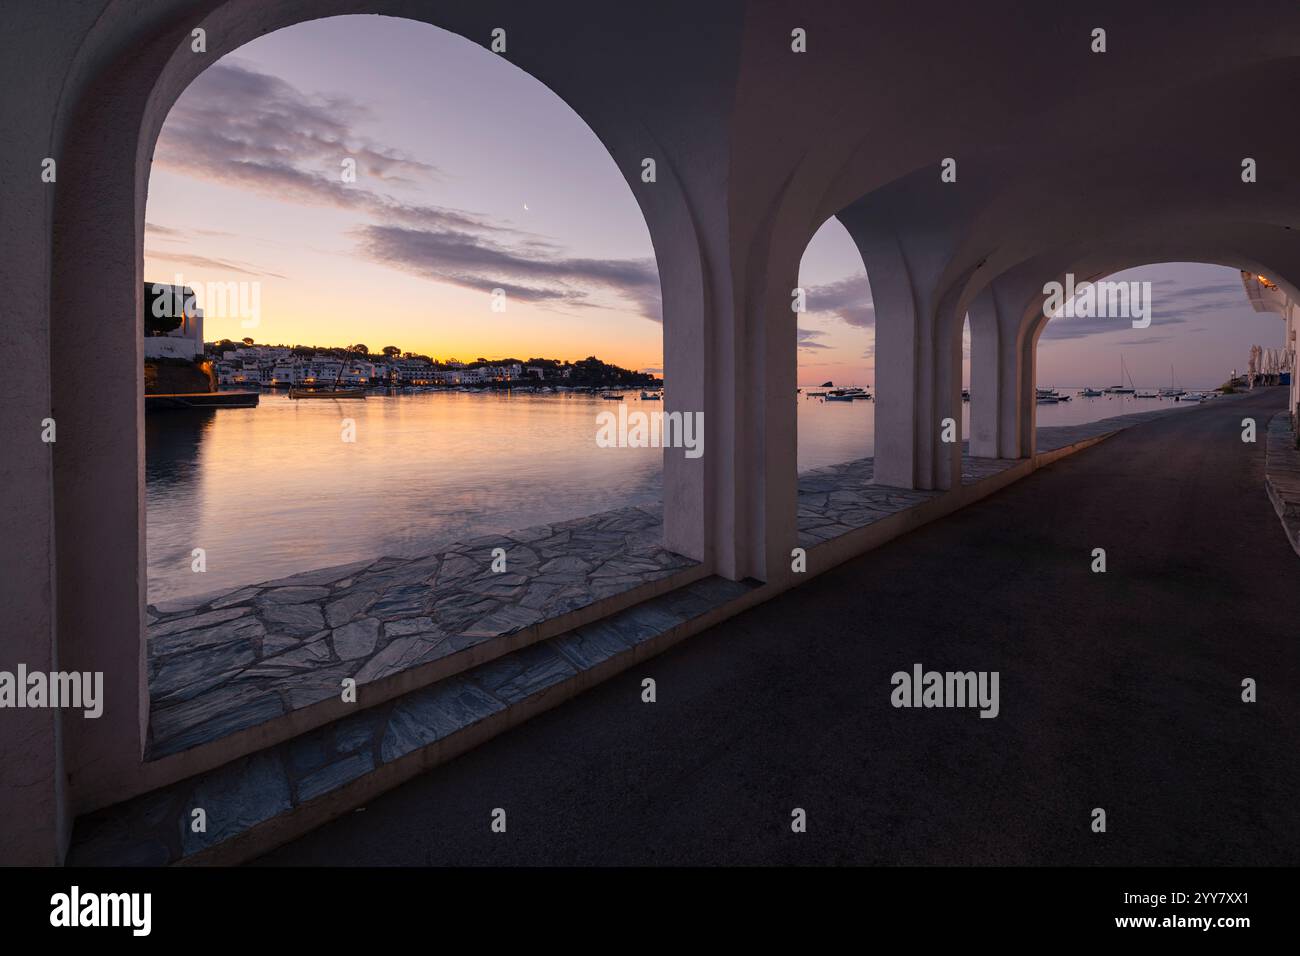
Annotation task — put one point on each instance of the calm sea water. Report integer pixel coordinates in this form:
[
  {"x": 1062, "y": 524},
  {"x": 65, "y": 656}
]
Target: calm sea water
[{"x": 273, "y": 490}]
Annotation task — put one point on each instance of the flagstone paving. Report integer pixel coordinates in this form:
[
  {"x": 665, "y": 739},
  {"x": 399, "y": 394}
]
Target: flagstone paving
[
  {"x": 224, "y": 662},
  {"x": 840, "y": 498},
  {"x": 156, "y": 828}
]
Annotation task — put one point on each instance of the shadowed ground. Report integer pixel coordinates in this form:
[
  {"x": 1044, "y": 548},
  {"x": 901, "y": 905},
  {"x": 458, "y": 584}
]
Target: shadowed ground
[{"x": 1118, "y": 690}]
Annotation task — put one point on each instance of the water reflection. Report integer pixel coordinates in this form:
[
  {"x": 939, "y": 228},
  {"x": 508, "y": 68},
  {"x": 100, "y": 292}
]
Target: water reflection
[{"x": 274, "y": 490}]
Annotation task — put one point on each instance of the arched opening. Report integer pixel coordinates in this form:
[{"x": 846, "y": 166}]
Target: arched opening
[
  {"x": 836, "y": 338},
  {"x": 290, "y": 171},
  {"x": 101, "y": 216},
  {"x": 388, "y": 513},
  {"x": 1144, "y": 340}
]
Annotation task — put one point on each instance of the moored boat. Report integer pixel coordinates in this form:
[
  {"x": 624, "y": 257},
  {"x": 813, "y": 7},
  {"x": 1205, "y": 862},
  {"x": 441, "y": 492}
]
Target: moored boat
[
  {"x": 847, "y": 394},
  {"x": 1121, "y": 388},
  {"x": 1174, "y": 390}
]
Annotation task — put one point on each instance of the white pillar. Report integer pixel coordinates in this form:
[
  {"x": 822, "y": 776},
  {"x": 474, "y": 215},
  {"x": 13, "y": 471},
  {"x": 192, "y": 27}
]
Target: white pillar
[
  {"x": 986, "y": 379},
  {"x": 914, "y": 359}
]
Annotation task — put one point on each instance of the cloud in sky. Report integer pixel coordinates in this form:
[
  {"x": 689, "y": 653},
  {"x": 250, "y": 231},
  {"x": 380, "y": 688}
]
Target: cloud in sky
[
  {"x": 261, "y": 124},
  {"x": 848, "y": 298},
  {"x": 806, "y": 339},
  {"x": 540, "y": 274},
  {"x": 208, "y": 262},
  {"x": 1171, "y": 304},
  {"x": 257, "y": 132}
]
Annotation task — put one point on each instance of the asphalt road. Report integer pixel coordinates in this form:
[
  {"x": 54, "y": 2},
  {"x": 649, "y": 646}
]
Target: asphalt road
[{"x": 1119, "y": 690}]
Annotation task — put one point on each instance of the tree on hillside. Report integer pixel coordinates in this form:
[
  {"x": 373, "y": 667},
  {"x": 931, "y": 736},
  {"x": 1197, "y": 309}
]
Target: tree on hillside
[
  {"x": 391, "y": 350},
  {"x": 248, "y": 341}
]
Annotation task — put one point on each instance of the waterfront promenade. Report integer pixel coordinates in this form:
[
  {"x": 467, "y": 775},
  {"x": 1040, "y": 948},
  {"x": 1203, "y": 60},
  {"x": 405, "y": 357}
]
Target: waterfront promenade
[{"x": 1118, "y": 690}]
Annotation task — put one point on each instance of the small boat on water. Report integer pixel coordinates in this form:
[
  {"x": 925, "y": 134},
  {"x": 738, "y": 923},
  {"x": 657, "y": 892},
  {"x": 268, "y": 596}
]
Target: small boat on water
[
  {"x": 1121, "y": 388},
  {"x": 1090, "y": 392},
  {"x": 607, "y": 396},
  {"x": 1048, "y": 399},
  {"x": 1147, "y": 393},
  {"x": 847, "y": 394},
  {"x": 1174, "y": 390}
]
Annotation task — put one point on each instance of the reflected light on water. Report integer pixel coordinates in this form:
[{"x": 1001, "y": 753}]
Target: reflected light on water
[{"x": 274, "y": 490}]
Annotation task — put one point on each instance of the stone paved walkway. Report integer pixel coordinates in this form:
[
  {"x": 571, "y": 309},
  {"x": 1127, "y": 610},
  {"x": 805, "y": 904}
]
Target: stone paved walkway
[
  {"x": 838, "y": 499},
  {"x": 221, "y": 663},
  {"x": 154, "y": 829}
]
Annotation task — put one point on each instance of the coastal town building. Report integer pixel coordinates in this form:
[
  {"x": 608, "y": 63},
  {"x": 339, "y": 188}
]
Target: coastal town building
[
  {"x": 281, "y": 367},
  {"x": 173, "y": 322},
  {"x": 1275, "y": 365}
]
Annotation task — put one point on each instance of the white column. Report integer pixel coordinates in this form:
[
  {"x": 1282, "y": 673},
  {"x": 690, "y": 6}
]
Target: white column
[{"x": 986, "y": 379}]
